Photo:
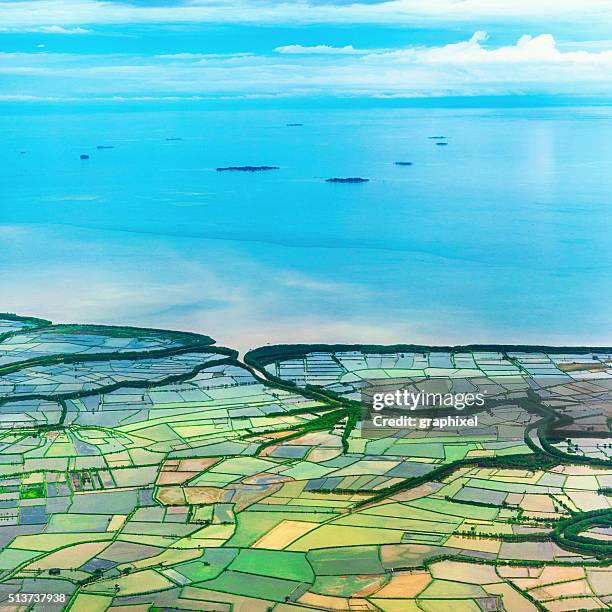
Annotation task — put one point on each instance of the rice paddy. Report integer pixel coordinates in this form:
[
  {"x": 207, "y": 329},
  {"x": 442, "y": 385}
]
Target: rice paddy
[{"x": 142, "y": 469}]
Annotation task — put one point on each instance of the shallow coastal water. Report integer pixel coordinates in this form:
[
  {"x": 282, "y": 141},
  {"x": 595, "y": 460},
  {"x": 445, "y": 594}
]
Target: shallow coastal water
[{"x": 503, "y": 235}]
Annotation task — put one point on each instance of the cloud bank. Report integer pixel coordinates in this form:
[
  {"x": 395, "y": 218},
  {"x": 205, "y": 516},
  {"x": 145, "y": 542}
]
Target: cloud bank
[
  {"x": 533, "y": 65},
  {"x": 319, "y": 50},
  {"x": 579, "y": 13}
]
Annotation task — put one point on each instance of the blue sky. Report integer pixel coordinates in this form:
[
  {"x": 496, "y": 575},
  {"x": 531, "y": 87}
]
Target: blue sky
[{"x": 72, "y": 50}]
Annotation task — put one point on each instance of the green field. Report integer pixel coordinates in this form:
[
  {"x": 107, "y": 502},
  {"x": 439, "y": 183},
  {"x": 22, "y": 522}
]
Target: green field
[{"x": 145, "y": 469}]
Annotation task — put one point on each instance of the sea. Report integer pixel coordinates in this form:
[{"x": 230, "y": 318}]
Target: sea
[{"x": 498, "y": 232}]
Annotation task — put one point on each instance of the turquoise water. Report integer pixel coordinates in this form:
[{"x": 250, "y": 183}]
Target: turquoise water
[{"x": 503, "y": 235}]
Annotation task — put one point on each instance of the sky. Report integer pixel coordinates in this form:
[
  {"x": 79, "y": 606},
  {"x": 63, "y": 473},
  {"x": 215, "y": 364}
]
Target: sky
[{"x": 138, "y": 50}]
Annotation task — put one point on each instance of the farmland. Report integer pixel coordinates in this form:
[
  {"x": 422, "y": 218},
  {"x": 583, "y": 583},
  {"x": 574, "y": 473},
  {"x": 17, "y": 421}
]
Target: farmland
[{"x": 146, "y": 469}]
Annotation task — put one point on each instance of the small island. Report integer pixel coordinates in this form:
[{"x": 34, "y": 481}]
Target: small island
[
  {"x": 348, "y": 179},
  {"x": 246, "y": 168},
  {"x": 403, "y": 163}
]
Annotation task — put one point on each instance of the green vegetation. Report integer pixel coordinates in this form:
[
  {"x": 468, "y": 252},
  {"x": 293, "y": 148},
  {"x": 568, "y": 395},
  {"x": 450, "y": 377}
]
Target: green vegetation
[{"x": 155, "y": 465}]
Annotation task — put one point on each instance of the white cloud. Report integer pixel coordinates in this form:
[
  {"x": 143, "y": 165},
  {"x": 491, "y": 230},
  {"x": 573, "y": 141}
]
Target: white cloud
[
  {"x": 581, "y": 14},
  {"x": 319, "y": 50},
  {"x": 541, "y": 50},
  {"x": 55, "y": 29},
  {"x": 46, "y": 29},
  {"x": 533, "y": 65},
  {"x": 200, "y": 56}
]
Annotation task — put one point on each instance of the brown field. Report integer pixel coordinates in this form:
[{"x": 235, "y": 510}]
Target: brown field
[
  {"x": 116, "y": 522},
  {"x": 554, "y": 591},
  {"x": 464, "y": 572},
  {"x": 513, "y": 601},
  {"x": 283, "y": 534},
  {"x": 170, "y": 496},
  {"x": 554, "y": 573},
  {"x": 537, "y": 503},
  {"x": 482, "y": 545},
  {"x": 325, "y": 602},
  {"x": 170, "y": 478},
  {"x": 203, "y": 495},
  {"x": 71, "y": 556},
  {"x": 323, "y": 454},
  {"x": 369, "y": 589},
  {"x": 405, "y": 584},
  {"x": 577, "y": 367},
  {"x": 578, "y": 603},
  {"x": 198, "y": 465},
  {"x": 509, "y": 571}
]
